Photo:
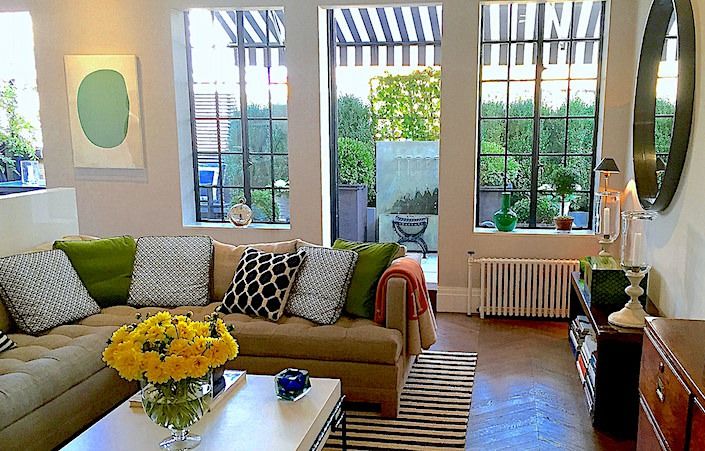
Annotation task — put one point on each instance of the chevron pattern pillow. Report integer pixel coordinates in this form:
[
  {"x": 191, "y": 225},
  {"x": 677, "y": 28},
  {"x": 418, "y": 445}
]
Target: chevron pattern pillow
[
  {"x": 321, "y": 285},
  {"x": 171, "y": 271},
  {"x": 41, "y": 290},
  {"x": 6, "y": 342}
]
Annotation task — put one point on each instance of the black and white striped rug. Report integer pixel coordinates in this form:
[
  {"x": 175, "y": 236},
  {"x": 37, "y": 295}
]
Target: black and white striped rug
[{"x": 435, "y": 404}]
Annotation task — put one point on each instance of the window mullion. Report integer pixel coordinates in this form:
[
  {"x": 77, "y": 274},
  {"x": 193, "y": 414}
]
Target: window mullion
[
  {"x": 243, "y": 107},
  {"x": 533, "y": 204}
]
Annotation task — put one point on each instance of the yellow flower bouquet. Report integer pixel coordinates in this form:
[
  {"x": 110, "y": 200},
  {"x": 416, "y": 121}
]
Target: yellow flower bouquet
[{"x": 173, "y": 357}]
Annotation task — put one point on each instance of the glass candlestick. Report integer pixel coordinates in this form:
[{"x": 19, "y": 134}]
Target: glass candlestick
[
  {"x": 635, "y": 227},
  {"x": 607, "y": 213}
]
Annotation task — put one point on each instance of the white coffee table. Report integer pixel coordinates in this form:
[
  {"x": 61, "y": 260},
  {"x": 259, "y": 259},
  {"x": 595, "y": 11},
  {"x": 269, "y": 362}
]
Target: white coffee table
[{"x": 249, "y": 418}]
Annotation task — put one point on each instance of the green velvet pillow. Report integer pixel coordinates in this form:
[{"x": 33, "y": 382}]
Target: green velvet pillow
[
  {"x": 104, "y": 266},
  {"x": 373, "y": 259}
]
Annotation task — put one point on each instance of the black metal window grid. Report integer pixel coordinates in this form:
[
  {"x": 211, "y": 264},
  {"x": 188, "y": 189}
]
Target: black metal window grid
[
  {"x": 239, "y": 126},
  {"x": 666, "y": 106},
  {"x": 520, "y": 139}
]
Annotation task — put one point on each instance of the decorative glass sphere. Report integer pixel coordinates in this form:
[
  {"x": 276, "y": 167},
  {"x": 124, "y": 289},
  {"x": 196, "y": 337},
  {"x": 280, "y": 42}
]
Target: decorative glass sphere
[{"x": 240, "y": 214}]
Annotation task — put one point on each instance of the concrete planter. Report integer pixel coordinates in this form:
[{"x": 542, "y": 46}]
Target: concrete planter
[{"x": 352, "y": 212}]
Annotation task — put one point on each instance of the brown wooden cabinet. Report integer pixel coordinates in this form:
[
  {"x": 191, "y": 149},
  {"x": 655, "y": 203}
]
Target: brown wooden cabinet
[{"x": 671, "y": 386}]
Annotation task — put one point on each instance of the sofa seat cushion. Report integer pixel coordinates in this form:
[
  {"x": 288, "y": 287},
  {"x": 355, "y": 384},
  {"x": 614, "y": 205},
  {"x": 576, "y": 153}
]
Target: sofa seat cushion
[
  {"x": 348, "y": 340},
  {"x": 43, "y": 367}
]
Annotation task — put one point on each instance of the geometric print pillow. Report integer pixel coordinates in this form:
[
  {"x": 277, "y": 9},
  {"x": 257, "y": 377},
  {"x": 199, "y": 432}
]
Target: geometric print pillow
[
  {"x": 6, "y": 342},
  {"x": 171, "y": 271},
  {"x": 41, "y": 290},
  {"x": 321, "y": 285},
  {"x": 262, "y": 283}
]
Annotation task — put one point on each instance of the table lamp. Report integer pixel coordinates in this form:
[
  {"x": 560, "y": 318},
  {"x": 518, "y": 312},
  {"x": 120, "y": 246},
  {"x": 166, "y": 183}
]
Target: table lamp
[
  {"x": 607, "y": 210},
  {"x": 607, "y": 166}
]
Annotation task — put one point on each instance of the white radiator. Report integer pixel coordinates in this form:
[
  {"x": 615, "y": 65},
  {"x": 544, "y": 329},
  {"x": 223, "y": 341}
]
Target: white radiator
[{"x": 524, "y": 287}]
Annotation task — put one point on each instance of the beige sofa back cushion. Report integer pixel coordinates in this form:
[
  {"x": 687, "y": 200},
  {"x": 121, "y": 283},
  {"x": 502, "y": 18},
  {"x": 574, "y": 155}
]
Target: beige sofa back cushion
[{"x": 227, "y": 256}]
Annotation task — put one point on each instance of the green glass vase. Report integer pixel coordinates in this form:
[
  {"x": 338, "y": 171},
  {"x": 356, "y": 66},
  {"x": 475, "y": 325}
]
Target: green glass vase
[{"x": 505, "y": 219}]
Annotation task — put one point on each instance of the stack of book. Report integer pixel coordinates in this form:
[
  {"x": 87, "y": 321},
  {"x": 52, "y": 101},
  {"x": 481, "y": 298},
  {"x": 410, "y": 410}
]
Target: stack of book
[
  {"x": 587, "y": 360},
  {"x": 579, "y": 328}
]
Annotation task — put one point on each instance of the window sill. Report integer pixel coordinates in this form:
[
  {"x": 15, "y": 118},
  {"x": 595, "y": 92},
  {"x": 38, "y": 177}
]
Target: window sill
[
  {"x": 534, "y": 232},
  {"x": 227, "y": 225}
]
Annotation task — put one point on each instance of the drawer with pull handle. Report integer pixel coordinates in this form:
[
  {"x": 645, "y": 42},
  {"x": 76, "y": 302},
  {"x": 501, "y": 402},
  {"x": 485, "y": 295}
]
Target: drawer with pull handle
[{"x": 665, "y": 394}]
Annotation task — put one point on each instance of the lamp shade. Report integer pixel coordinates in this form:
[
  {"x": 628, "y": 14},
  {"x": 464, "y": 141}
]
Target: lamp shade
[{"x": 607, "y": 165}]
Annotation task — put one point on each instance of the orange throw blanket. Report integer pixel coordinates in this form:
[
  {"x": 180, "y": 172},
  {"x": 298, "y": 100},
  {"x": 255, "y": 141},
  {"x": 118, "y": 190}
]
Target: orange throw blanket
[{"x": 421, "y": 323}]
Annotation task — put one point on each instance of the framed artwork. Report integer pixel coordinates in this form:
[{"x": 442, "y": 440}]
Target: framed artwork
[{"x": 104, "y": 111}]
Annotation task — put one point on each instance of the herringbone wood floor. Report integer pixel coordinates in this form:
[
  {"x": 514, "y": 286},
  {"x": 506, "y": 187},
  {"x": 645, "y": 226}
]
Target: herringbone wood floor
[{"x": 527, "y": 394}]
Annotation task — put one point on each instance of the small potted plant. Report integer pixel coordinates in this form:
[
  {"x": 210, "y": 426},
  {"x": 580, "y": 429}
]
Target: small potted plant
[
  {"x": 564, "y": 182},
  {"x": 16, "y": 134}
]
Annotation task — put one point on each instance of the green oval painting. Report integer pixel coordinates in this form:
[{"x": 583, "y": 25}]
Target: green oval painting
[{"x": 104, "y": 108}]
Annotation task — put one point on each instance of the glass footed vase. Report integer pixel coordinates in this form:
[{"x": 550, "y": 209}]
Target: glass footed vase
[
  {"x": 177, "y": 406},
  {"x": 505, "y": 219}
]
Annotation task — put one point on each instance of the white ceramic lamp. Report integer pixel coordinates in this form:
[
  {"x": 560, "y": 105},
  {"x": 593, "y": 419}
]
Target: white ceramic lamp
[{"x": 635, "y": 226}]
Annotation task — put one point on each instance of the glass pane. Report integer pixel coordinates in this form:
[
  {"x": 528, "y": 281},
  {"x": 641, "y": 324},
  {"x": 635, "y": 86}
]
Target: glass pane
[
  {"x": 582, "y": 97},
  {"x": 552, "y": 139},
  {"x": 206, "y": 136},
  {"x": 520, "y": 136},
  {"x": 546, "y": 167},
  {"x": 261, "y": 171},
  {"x": 547, "y": 208},
  {"x": 209, "y": 203},
  {"x": 556, "y": 57},
  {"x": 492, "y": 172},
  {"x": 234, "y": 136},
  {"x": 581, "y": 134},
  {"x": 281, "y": 206},
  {"x": 554, "y": 95},
  {"x": 521, "y": 99},
  {"x": 663, "y": 133},
  {"x": 495, "y": 58},
  {"x": 231, "y": 196},
  {"x": 492, "y": 136},
  {"x": 586, "y": 19},
  {"x": 522, "y": 61},
  {"x": 582, "y": 166},
  {"x": 275, "y": 25},
  {"x": 279, "y": 93},
  {"x": 281, "y": 171},
  {"x": 211, "y": 101},
  {"x": 585, "y": 59},
  {"x": 579, "y": 210},
  {"x": 257, "y": 79},
  {"x": 258, "y": 135},
  {"x": 519, "y": 172},
  {"x": 262, "y": 209},
  {"x": 669, "y": 62},
  {"x": 495, "y": 22},
  {"x": 557, "y": 20},
  {"x": 524, "y": 22},
  {"x": 488, "y": 202},
  {"x": 233, "y": 171},
  {"x": 280, "y": 133},
  {"x": 521, "y": 204},
  {"x": 494, "y": 99},
  {"x": 666, "y": 95}
]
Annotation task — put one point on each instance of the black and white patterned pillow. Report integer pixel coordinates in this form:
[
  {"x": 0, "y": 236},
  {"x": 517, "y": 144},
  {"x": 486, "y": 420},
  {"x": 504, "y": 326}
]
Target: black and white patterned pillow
[
  {"x": 262, "y": 283},
  {"x": 41, "y": 290},
  {"x": 171, "y": 271},
  {"x": 6, "y": 342},
  {"x": 321, "y": 286}
]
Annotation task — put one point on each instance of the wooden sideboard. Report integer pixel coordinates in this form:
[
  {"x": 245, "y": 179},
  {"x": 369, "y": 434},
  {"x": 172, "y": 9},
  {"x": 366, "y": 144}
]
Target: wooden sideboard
[
  {"x": 615, "y": 406},
  {"x": 672, "y": 386}
]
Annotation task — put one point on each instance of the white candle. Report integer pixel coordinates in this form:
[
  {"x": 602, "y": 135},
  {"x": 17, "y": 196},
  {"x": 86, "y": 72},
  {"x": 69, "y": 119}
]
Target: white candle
[
  {"x": 637, "y": 249},
  {"x": 605, "y": 225}
]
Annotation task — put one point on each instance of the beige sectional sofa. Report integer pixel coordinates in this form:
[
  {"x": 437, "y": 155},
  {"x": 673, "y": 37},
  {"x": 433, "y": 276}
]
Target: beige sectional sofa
[{"x": 54, "y": 385}]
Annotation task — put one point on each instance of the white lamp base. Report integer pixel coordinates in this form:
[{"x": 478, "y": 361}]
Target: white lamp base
[
  {"x": 632, "y": 314},
  {"x": 604, "y": 243}
]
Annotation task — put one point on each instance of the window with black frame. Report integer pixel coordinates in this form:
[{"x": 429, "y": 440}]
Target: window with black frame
[
  {"x": 538, "y": 108},
  {"x": 238, "y": 79}
]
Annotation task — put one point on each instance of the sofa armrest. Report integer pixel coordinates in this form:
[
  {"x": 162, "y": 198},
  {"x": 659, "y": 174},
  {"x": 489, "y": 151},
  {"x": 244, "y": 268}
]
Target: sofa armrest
[{"x": 395, "y": 316}]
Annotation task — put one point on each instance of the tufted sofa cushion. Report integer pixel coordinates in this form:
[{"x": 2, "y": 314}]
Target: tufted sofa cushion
[
  {"x": 349, "y": 339},
  {"x": 43, "y": 367}
]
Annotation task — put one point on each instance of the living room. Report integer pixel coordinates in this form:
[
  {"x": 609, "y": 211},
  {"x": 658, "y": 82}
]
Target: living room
[{"x": 183, "y": 139}]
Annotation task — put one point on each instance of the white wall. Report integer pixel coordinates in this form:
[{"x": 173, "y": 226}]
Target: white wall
[
  {"x": 678, "y": 244},
  {"x": 150, "y": 201}
]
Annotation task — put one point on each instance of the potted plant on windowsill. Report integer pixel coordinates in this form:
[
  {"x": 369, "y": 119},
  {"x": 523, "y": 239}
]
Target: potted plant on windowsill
[{"x": 564, "y": 182}]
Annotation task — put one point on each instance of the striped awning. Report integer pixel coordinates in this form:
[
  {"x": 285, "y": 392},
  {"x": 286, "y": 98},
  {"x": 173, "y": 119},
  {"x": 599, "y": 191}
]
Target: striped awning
[
  {"x": 393, "y": 36},
  {"x": 263, "y": 32},
  {"x": 579, "y": 21}
]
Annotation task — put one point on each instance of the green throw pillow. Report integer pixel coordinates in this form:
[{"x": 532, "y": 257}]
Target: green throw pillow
[
  {"x": 373, "y": 259},
  {"x": 104, "y": 266}
]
